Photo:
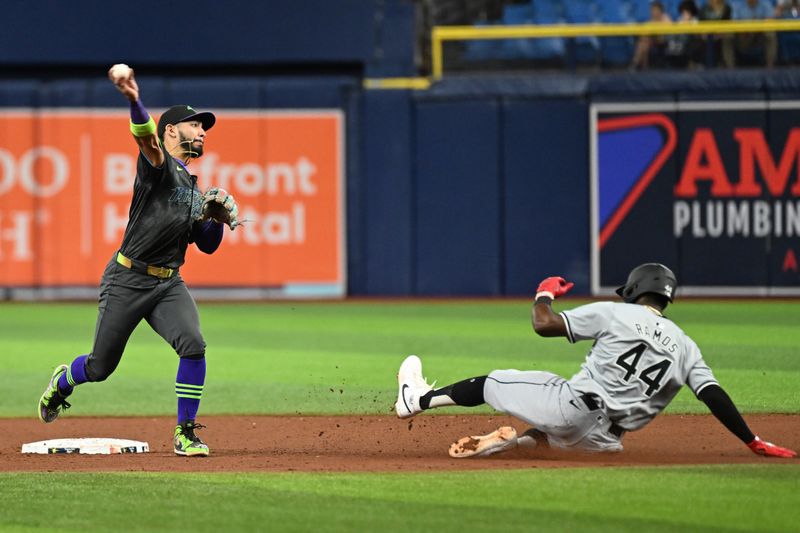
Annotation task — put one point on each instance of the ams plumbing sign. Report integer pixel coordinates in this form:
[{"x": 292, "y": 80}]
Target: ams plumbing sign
[{"x": 710, "y": 188}]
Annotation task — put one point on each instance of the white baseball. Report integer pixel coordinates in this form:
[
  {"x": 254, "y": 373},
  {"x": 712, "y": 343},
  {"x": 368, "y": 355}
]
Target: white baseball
[{"x": 120, "y": 71}]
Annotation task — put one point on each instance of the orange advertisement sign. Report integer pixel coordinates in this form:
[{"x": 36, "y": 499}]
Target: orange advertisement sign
[{"x": 66, "y": 179}]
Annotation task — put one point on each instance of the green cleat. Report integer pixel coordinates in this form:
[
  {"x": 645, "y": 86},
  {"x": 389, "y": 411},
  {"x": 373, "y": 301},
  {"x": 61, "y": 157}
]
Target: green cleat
[
  {"x": 187, "y": 443},
  {"x": 52, "y": 403}
]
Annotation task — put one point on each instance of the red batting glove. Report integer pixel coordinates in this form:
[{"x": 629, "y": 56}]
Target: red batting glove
[
  {"x": 761, "y": 447},
  {"x": 553, "y": 287}
]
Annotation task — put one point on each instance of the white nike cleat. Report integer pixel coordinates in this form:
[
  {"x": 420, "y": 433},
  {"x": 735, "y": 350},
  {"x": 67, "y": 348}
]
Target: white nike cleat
[
  {"x": 500, "y": 440},
  {"x": 411, "y": 386}
]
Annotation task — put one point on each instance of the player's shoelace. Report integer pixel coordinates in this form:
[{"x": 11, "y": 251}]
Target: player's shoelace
[
  {"x": 56, "y": 401},
  {"x": 422, "y": 381},
  {"x": 188, "y": 431}
]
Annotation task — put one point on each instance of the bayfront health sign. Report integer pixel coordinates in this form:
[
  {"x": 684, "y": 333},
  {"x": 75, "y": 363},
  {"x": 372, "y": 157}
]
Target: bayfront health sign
[{"x": 66, "y": 180}]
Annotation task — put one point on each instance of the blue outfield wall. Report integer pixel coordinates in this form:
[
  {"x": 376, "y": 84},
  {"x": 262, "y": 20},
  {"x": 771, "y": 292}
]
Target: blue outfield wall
[
  {"x": 493, "y": 192},
  {"x": 386, "y": 195},
  {"x": 479, "y": 196},
  {"x": 476, "y": 187},
  {"x": 546, "y": 214},
  {"x": 457, "y": 212}
]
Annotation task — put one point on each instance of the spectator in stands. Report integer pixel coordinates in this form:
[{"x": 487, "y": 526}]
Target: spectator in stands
[
  {"x": 723, "y": 43},
  {"x": 753, "y": 44},
  {"x": 789, "y": 42},
  {"x": 685, "y": 50},
  {"x": 716, "y": 10},
  {"x": 787, "y": 9},
  {"x": 650, "y": 49}
]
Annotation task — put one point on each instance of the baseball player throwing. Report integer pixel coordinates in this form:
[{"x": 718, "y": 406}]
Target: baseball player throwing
[
  {"x": 639, "y": 361},
  {"x": 142, "y": 280}
]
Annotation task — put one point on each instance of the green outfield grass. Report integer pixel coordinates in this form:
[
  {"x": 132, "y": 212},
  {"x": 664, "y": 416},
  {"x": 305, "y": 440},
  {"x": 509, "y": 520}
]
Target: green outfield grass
[
  {"x": 719, "y": 498},
  {"x": 342, "y": 357}
]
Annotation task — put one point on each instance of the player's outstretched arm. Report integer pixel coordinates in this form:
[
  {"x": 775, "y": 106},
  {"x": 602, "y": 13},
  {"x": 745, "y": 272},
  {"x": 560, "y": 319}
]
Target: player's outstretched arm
[
  {"x": 545, "y": 321},
  {"x": 723, "y": 408},
  {"x": 143, "y": 127}
]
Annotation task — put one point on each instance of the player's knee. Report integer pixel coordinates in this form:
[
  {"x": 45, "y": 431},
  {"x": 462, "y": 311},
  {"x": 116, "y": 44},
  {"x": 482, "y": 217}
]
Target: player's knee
[
  {"x": 192, "y": 346},
  {"x": 97, "y": 370},
  {"x": 195, "y": 356}
]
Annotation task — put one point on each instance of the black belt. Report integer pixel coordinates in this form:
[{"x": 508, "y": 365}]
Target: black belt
[
  {"x": 617, "y": 431},
  {"x": 594, "y": 403},
  {"x": 142, "y": 268}
]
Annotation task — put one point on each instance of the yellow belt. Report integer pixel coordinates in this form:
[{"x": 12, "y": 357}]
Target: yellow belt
[{"x": 159, "y": 272}]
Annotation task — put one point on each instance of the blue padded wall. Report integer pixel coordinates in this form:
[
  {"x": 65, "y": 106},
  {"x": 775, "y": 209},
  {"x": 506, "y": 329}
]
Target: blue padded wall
[
  {"x": 473, "y": 197},
  {"x": 207, "y": 93},
  {"x": 153, "y": 90},
  {"x": 300, "y": 92},
  {"x": 355, "y": 197},
  {"x": 546, "y": 193},
  {"x": 457, "y": 191},
  {"x": 66, "y": 93},
  {"x": 19, "y": 93},
  {"x": 387, "y": 188}
]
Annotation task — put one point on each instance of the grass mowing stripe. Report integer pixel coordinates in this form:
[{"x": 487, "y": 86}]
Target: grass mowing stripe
[
  {"x": 296, "y": 352},
  {"x": 744, "y": 497}
]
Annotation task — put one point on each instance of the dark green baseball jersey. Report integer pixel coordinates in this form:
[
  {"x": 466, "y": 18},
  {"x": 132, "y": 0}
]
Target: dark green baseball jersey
[{"x": 165, "y": 203}]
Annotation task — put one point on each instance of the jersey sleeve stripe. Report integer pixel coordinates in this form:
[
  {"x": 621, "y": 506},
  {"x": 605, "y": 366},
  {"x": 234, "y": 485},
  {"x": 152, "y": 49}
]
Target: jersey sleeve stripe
[
  {"x": 703, "y": 386},
  {"x": 570, "y": 337}
]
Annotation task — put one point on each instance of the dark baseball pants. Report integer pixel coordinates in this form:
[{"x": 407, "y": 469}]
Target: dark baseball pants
[{"x": 126, "y": 298}]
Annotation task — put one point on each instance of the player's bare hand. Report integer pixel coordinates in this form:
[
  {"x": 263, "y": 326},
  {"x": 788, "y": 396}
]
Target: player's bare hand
[
  {"x": 554, "y": 287},
  {"x": 761, "y": 447},
  {"x": 122, "y": 77}
]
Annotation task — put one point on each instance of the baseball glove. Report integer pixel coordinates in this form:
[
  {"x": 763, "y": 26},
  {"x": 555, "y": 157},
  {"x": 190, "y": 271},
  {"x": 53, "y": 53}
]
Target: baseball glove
[{"x": 219, "y": 206}]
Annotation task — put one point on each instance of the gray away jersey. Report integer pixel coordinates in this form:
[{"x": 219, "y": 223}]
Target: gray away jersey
[{"x": 639, "y": 360}]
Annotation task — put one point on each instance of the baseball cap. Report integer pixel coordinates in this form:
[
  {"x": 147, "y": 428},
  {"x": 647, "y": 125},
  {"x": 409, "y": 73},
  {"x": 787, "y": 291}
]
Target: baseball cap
[{"x": 183, "y": 113}]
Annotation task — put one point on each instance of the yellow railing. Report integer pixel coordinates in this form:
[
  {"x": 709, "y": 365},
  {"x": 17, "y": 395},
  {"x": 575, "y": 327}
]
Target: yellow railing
[
  {"x": 440, "y": 34},
  {"x": 417, "y": 84}
]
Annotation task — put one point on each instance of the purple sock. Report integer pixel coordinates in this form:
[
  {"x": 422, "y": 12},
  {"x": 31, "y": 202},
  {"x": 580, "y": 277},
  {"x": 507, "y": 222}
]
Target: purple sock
[
  {"x": 189, "y": 387},
  {"x": 75, "y": 375}
]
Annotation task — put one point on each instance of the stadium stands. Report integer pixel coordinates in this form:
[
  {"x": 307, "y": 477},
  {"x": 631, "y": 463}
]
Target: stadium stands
[
  {"x": 616, "y": 51},
  {"x": 583, "y": 50},
  {"x": 789, "y": 43},
  {"x": 548, "y": 12},
  {"x": 591, "y": 51}
]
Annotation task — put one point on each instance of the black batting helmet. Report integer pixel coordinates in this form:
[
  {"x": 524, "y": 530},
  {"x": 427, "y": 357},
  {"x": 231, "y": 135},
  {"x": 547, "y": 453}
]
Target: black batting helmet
[{"x": 649, "y": 277}]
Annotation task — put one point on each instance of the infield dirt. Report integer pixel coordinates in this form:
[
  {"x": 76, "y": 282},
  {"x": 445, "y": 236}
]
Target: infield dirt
[{"x": 373, "y": 443}]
